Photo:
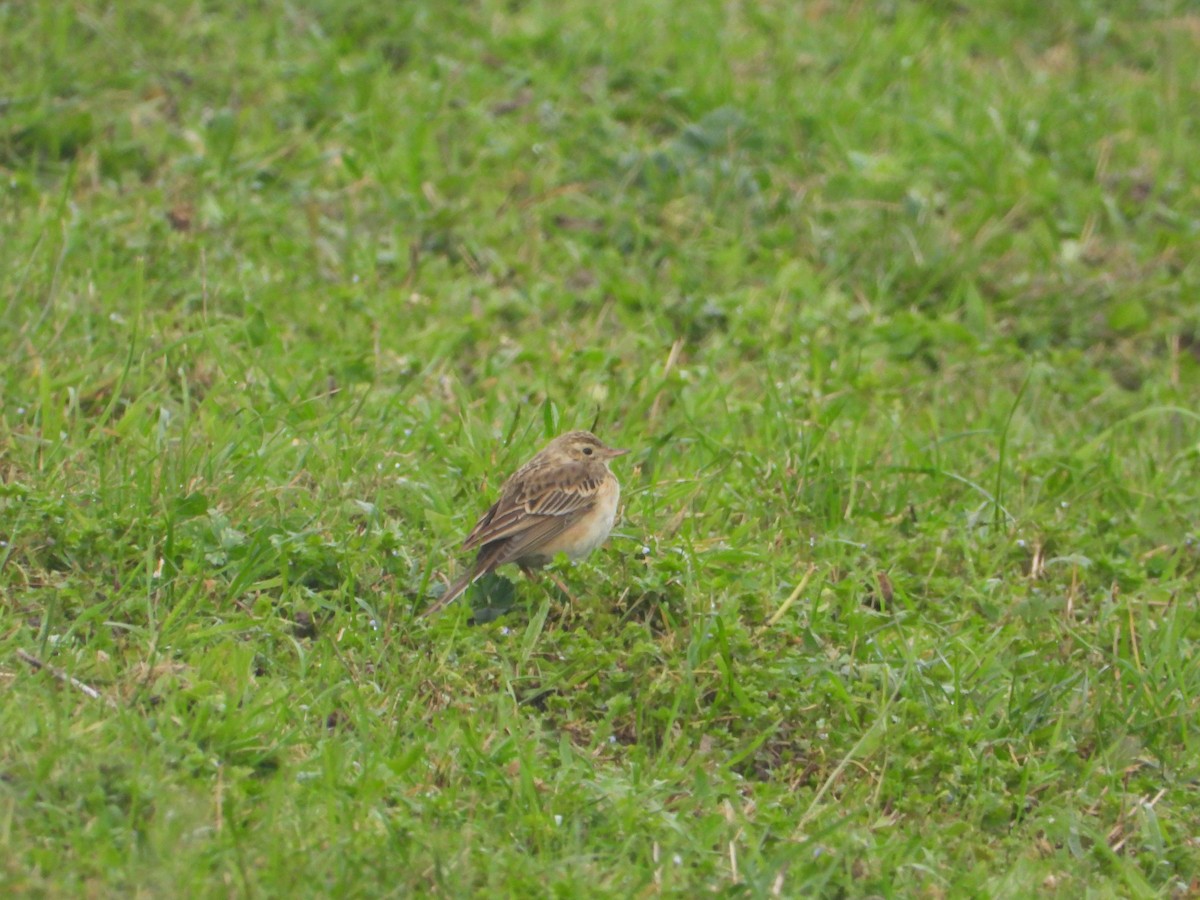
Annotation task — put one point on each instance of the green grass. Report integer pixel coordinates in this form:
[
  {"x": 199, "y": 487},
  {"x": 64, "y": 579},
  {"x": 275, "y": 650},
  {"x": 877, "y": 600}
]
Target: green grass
[{"x": 896, "y": 302}]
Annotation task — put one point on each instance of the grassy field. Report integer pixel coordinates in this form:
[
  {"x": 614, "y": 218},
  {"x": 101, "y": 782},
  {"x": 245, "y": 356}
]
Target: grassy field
[{"x": 897, "y": 304}]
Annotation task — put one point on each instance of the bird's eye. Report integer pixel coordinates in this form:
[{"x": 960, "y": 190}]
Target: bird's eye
[{"x": 587, "y": 451}]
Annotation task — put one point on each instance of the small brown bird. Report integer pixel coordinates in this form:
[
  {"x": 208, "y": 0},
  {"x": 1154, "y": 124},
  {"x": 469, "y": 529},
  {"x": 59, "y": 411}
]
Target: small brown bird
[{"x": 564, "y": 500}]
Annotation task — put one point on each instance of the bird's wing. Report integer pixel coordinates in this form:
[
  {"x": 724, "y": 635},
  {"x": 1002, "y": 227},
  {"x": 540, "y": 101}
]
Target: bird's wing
[
  {"x": 539, "y": 505},
  {"x": 522, "y": 545}
]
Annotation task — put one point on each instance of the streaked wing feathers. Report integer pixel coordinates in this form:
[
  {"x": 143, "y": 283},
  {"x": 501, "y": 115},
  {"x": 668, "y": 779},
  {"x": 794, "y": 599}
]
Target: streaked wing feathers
[
  {"x": 522, "y": 544},
  {"x": 542, "y": 503}
]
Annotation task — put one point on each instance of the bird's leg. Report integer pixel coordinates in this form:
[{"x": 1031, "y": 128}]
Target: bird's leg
[
  {"x": 562, "y": 587},
  {"x": 533, "y": 574}
]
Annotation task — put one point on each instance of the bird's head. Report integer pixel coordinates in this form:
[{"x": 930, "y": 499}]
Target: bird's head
[{"x": 582, "y": 446}]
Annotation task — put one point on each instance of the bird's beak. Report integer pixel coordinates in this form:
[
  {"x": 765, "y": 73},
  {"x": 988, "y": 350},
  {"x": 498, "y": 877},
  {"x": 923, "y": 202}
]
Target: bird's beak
[{"x": 612, "y": 453}]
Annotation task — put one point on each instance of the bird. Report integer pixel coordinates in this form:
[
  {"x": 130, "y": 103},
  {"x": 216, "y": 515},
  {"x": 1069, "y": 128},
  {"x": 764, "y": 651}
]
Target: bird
[{"x": 564, "y": 500}]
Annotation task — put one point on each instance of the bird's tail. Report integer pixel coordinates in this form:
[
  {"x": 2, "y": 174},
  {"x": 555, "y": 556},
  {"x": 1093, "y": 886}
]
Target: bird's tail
[{"x": 452, "y": 593}]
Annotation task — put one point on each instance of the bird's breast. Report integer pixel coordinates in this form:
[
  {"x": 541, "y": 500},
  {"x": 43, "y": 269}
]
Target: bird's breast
[{"x": 594, "y": 526}]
